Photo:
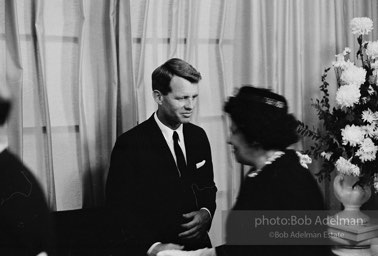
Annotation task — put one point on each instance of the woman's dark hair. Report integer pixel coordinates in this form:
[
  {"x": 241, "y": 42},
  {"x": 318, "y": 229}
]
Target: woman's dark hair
[
  {"x": 5, "y": 106},
  {"x": 262, "y": 117},
  {"x": 161, "y": 77}
]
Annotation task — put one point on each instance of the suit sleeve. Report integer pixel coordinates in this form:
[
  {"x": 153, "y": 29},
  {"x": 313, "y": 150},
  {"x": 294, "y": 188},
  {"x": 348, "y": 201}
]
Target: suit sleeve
[{"x": 131, "y": 227}]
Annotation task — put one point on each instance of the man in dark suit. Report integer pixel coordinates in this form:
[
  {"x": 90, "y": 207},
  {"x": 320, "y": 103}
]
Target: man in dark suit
[{"x": 160, "y": 186}]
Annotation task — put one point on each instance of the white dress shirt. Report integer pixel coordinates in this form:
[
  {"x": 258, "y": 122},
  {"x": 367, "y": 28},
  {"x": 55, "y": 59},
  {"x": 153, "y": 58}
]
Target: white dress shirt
[{"x": 168, "y": 136}]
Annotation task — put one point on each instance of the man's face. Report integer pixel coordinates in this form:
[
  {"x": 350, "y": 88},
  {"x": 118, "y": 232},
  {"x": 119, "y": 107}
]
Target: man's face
[{"x": 178, "y": 105}]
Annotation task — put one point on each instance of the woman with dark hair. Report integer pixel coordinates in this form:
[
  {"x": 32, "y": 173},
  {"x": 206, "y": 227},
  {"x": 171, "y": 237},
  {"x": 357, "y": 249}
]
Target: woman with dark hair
[
  {"x": 261, "y": 132},
  {"x": 25, "y": 225}
]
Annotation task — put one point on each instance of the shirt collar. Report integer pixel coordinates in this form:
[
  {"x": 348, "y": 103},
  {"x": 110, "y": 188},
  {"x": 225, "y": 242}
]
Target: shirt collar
[
  {"x": 254, "y": 172},
  {"x": 168, "y": 132}
]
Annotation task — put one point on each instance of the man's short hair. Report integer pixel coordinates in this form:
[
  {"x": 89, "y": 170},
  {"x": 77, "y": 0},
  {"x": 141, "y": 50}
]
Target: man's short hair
[{"x": 161, "y": 77}]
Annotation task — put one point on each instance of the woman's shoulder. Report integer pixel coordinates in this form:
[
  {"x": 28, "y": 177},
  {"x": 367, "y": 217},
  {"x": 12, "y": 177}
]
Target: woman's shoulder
[
  {"x": 16, "y": 180},
  {"x": 296, "y": 183},
  {"x": 293, "y": 160},
  {"x": 291, "y": 172}
]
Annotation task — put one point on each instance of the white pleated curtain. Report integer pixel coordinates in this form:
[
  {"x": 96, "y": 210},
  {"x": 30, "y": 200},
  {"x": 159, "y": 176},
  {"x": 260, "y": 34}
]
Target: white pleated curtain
[
  {"x": 63, "y": 67},
  {"x": 80, "y": 75}
]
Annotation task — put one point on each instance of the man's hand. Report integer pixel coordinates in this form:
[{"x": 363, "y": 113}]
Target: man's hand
[
  {"x": 164, "y": 247},
  {"x": 197, "y": 225}
]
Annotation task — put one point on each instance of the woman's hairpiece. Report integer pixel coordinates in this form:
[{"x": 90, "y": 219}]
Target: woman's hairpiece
[
  {"x": 250, "y": 93},
  {"x": 268, "y": 101}
]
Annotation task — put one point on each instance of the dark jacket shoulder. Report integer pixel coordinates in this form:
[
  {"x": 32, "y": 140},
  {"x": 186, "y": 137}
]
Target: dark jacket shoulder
[{"x": 15, "y": 178}]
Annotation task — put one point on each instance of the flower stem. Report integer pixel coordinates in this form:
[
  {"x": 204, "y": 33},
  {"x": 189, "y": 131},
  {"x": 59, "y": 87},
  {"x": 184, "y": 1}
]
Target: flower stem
[{"x": 359, "y": 40}]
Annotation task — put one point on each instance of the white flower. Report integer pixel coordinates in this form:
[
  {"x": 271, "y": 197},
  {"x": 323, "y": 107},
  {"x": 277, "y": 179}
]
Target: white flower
[
  {"x": 352, "y": 134},
  {"x": 370, "y": 130},
  {"x": 346, "y": 167},
  {"x": 346, "y": 51},
  {"x": 374, "y": 65},
  {"x": 361, "y": 25},
  {"x": 368, "y": 116},
  {"x": 367, "y": 150},
  {"x": 372, "y": 49},
  {"x": 353, "y": 75},
  {"x": 348, "y": 64},
  {"x": 304, "y": 160},
  {"x": 326, "y": 155},
  {"x": 340, "y": 61},
  {"x": 348, "y": 95}
]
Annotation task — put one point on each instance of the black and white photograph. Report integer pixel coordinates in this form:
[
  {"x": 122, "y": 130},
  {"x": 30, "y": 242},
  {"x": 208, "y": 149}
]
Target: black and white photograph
[{"x": 188, "y": 127}]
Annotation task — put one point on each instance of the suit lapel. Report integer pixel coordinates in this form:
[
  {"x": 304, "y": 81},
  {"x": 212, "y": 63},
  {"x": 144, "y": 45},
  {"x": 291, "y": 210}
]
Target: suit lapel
[
  {"x": 189, "y": 142},
  {"x": 158, "y": 142}
]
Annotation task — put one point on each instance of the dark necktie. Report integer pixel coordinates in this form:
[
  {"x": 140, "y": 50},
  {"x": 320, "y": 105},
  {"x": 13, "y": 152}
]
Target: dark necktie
[{"x": 181, "y": 164}]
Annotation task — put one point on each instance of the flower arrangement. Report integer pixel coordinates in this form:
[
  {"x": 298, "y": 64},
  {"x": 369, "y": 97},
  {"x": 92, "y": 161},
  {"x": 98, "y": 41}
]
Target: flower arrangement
[{"x": 348, "y": 141}]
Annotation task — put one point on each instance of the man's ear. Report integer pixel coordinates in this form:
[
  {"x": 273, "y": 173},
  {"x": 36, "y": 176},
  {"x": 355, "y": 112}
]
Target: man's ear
[{"x": 158, "y": 97}]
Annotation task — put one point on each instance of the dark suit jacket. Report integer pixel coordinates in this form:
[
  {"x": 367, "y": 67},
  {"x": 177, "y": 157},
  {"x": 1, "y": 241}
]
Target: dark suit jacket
[
  {"x": 145, "y": 192},
  {"x": 284, "y": 185},
  {"x": 25, "y": 224}
]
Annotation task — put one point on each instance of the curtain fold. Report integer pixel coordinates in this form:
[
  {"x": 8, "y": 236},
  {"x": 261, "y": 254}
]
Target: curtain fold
[
  {"x": 191, "y": 49},
  {"x": 233, "y": 182},
  {"x": 86, "y": 148},
  {"x": 175, "y": 25},
  {"x": 13, "y": 75},
  {"x": 108, "y": 96},
  {"x": 140, "y": 65},
  {"x": 127, "y": 109},
  {"x": 44, "y": 102}
]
